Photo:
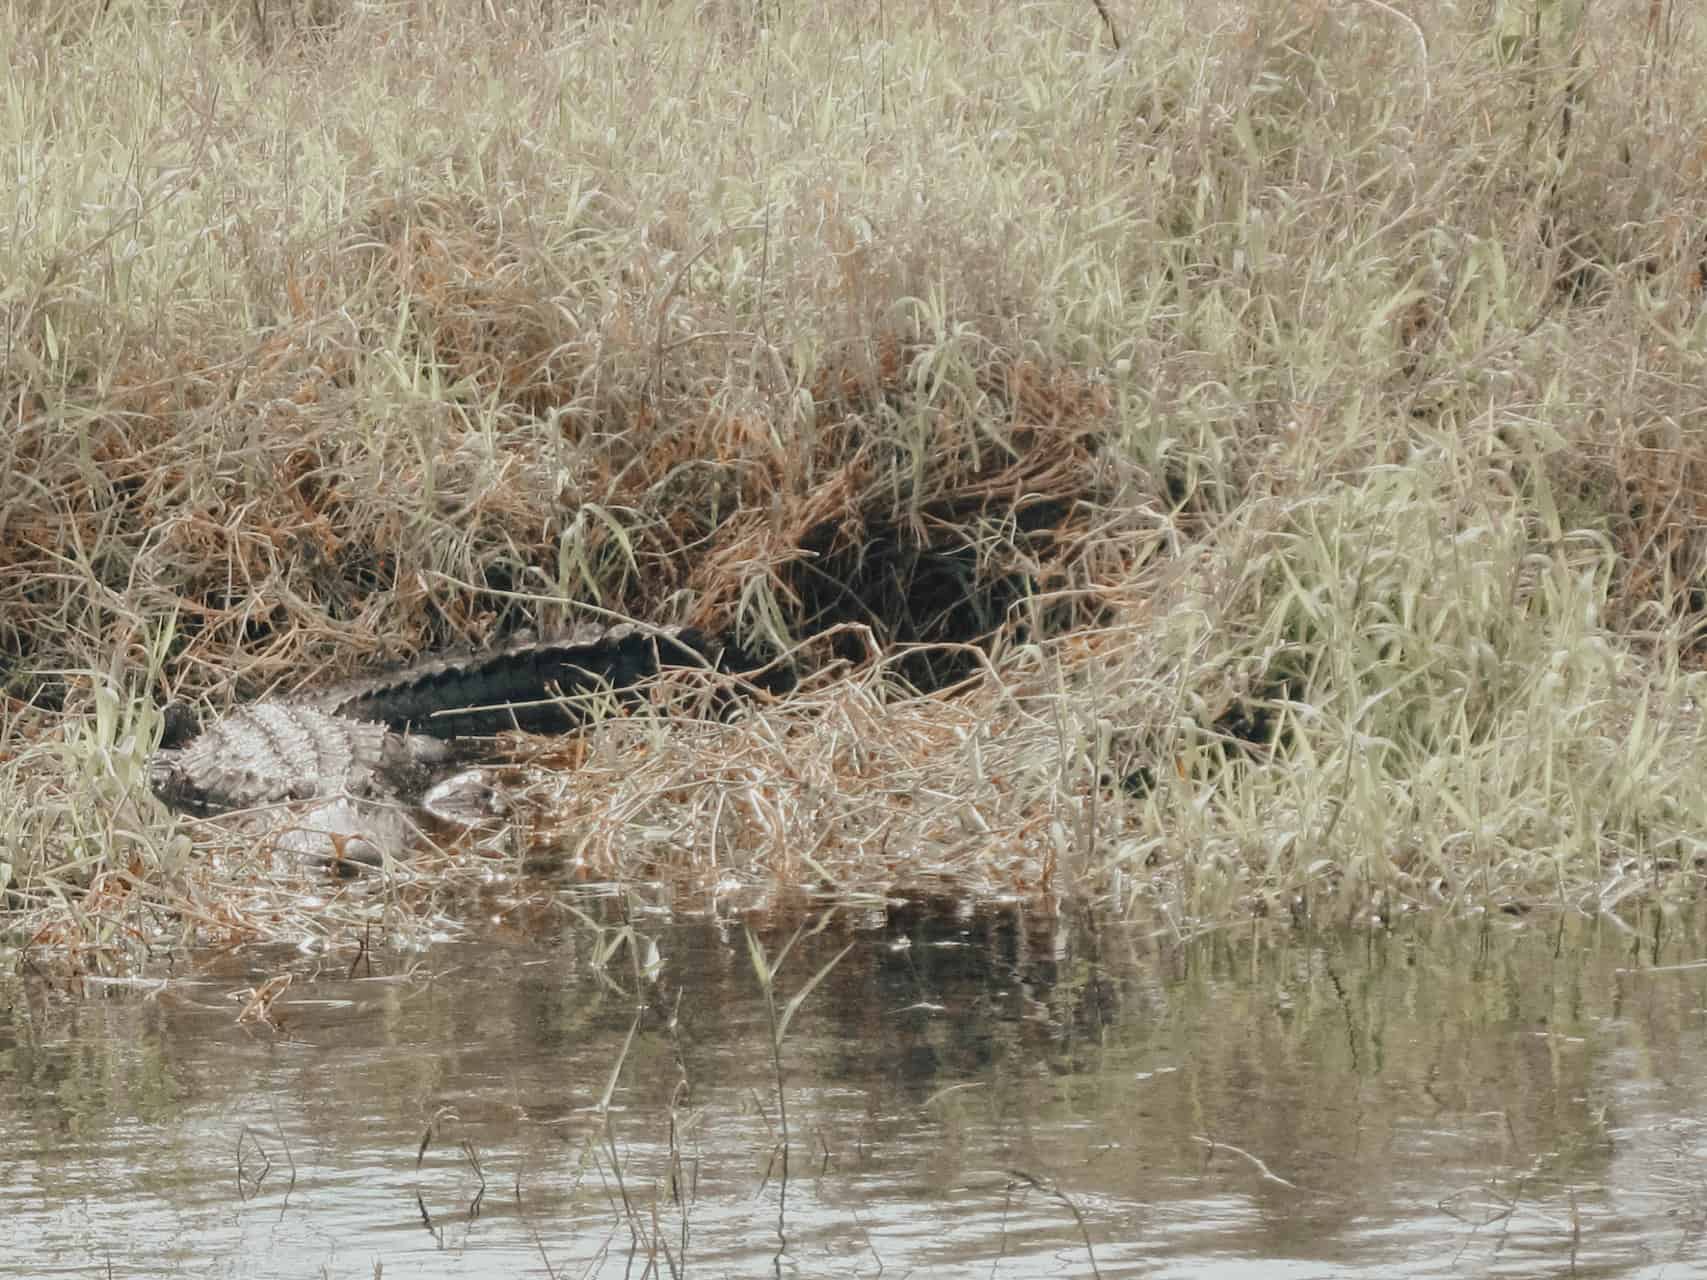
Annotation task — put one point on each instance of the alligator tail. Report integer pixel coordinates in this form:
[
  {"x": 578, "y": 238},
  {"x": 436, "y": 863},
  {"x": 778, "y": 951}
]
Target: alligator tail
[{"x": 539, "y": 686}]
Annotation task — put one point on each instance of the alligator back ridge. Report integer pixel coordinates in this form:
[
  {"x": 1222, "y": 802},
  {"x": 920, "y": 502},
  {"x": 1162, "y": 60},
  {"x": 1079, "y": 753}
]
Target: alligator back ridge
[{"x": 389, "y": 736}]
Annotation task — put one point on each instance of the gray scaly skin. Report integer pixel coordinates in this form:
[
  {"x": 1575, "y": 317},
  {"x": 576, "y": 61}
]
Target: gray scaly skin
[
  {"x": 269, "y": 752},
  {"x": 391, "y": 736}
]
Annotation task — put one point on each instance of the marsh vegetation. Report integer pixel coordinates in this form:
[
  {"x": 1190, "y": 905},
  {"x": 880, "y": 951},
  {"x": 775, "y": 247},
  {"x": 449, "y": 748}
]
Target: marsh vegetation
[{"x": 1254, "y": 469}]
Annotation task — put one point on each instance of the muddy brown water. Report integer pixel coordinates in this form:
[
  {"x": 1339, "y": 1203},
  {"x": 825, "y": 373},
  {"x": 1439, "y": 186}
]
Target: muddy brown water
[{"x": 978, "y": 1093}]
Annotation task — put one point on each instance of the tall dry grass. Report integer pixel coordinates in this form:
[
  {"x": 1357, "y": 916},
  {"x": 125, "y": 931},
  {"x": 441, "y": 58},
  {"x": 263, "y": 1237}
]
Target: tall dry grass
[{"x": 1282, "y": 433}]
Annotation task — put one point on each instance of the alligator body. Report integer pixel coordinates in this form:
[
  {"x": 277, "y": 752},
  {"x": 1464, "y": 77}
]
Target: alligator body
[
  {"x": 271, "y": 752},
  {"x": 541, "y": 687},
  {"x": 391, "y": 736}
]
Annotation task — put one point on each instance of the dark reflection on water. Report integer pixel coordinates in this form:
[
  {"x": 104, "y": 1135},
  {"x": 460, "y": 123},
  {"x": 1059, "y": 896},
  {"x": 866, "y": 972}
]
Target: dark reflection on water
[{"x": 989, "y": 1093}]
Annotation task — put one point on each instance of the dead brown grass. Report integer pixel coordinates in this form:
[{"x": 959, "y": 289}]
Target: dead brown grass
[{"x": 1254, "y": 442}]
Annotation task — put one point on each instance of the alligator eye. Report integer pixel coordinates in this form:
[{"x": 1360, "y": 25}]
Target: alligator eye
[{"x": 179, "y": 723}]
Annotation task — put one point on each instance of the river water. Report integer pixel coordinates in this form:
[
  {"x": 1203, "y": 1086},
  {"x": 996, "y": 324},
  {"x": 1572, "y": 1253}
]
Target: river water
[{"x": 988, "y": 1091}]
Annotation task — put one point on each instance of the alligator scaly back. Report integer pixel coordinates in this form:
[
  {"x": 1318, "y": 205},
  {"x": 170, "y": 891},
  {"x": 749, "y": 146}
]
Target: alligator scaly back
[
  {"x": 270, "y": 752},
  {"x": 391, "y": 736},
  {"x": 542, "y": 686}
]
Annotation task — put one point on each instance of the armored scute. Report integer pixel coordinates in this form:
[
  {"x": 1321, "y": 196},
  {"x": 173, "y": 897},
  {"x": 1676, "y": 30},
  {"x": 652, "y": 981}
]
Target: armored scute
[{"x": 391, "y": 736}]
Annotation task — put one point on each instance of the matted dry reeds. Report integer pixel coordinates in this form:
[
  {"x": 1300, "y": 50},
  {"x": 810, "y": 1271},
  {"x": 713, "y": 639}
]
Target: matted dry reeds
[{"x": 1253, "y": 469}]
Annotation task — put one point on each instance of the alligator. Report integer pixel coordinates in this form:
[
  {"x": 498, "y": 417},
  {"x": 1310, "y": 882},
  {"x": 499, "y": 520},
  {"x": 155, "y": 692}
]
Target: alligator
[{"x": 392, "y": 736}]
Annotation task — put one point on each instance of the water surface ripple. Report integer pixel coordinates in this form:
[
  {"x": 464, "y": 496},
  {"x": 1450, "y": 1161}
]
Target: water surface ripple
[{"x": 969, "y": 1093}]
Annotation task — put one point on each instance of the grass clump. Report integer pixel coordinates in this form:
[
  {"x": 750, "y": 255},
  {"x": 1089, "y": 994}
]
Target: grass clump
[{"x": 1255, "y": 466}]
